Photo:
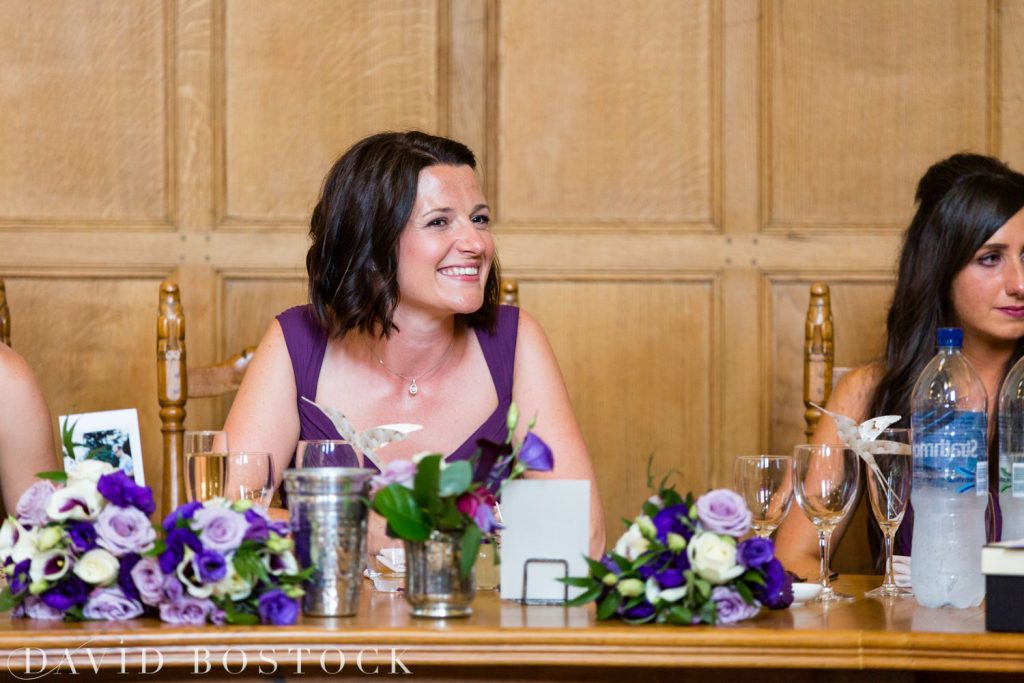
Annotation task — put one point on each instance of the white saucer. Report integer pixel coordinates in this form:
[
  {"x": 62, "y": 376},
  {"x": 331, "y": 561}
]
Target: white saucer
[{"x": 802, "y": 592}]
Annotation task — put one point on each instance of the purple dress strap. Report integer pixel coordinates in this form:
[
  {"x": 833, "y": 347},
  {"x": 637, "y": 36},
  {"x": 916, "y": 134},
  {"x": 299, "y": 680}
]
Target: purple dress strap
[{"x": 307, "y": 343}]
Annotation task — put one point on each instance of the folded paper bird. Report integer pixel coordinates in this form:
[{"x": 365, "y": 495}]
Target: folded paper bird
[{"x": 366, "y": 443}]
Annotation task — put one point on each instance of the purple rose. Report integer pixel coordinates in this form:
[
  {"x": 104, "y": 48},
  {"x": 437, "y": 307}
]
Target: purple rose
[
  {"x": 19, "y": 577},
  {"x": 218, "y": 617},
  {"x": 177, "y": 540},
  {"x": 777, "y": 591},
  {"x": 35, "y": 608},
  {"x": 120, "y": 489},
  {"x": 124, "y": 576},
  {"x": 723, "y": 512},
  {"x": 643, "y": 611},
  {"x": 278, "y": 609},
  {"x": 124, "y": 530},
  {"x": 258, "y": 529},
  {"x": 112, "y": 605},
  {"x": 183, "y": 511},
  {"x": 149, "y": 580},
  {"x": 755, "y": 552},
  {"x": 210, "y": 566},
  {"x": 670, "y": 577},
  {"x": 82, "y": 535},
  {"x": 670, "y": 521},
  {"x": 535, "y": 454},
  {"x": 31, "y": 508},
  {"x": 186, "y": 610},
  {"x": 67, "y": 593},
  {"x": 395, "y": 472},
  {"x": 173, "y": 590},
  {"x": 220, "y": 529},
  {"x": 731, "y": 606}
]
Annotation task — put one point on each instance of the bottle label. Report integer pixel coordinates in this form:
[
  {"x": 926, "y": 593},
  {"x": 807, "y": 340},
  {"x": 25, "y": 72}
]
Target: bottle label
[
  {"x": 949, "y": 449},
  {"x": 1017, "y": 480}
]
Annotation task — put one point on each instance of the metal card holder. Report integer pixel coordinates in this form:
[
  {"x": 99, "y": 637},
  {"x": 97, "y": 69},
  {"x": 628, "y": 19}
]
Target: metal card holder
[{"x": 526, "y": 600}]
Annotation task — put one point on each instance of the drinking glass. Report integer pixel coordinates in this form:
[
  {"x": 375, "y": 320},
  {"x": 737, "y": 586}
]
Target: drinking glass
[
  {"x": 241, "y": 475},
  {"x": 890, "y": 472},
  {"x": 325, "y": 453},
  {"x": 825, "y": 484},
  {"x": 766, "y": 484},
  {"x": 201, "y": 485}
]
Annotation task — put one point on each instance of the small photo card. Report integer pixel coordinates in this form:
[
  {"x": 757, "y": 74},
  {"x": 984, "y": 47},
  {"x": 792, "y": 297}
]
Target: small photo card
[
  {"x": 111, "y": 436},
  {"x": 544, "y": 519}
]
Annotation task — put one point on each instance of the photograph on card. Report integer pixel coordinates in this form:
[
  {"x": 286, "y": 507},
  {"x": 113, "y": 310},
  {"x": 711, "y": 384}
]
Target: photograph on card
[{"x": 110, "y": 436}]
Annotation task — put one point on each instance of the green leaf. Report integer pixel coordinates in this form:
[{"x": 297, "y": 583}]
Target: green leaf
[
  {"x": 59, "y": 476},
  {"x": 744, "y": 592},
  {"x": 622, "y": 562},
  {"x": 753, "y": 577},
  {"x": 450, "y": 519},
  {"x": 596, "y": 568},
  {"x": 470, "y": 548},
  {"x": 578, "y": 581},
  {"x": 426, "y": 484},
  {"x": 679, "y": 615},
  {"x": 585, "y": 597},
  {"x": 74, "y": 614},
  {"x": 703, "y": 587},
  {"x": 610, "y": 603},
  {"x": 405, "y": 518},
  {"x": 456, "y": 478},
  {"x": 67, "y": 438},
  {"x": 248, "y": 565},
  {"x": 7, "y": 600}
]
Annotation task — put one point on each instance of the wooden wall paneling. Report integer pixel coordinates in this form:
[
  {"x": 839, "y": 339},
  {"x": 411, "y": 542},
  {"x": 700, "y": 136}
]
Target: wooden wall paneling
[
  {"x": 298, "y": 87},
  {"x": 194, "y": 106},
  {"x": 637, "y": 355},
  {"x": 467, "y": 71},
  {"x": 606, "y": 113},
  {"x": 87, "y": 127},
  {"x": 861, "y": 97},
  {"x": 90, "y": 339},
  {"x": 1011, "y": 102}
]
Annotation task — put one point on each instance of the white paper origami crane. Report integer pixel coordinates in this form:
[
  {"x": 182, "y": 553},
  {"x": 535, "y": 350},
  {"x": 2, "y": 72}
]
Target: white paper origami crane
[{"x": 366, "y": 443}]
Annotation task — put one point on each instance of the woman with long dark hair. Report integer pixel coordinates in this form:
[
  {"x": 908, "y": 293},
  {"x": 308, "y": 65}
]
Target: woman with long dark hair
[{"x": 962, "y": 265}]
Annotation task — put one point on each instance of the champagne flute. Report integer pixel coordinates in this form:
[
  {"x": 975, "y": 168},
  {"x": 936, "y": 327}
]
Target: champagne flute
[
  {"x": 825, "y": 484},
  {"x": 203, "y": 468},
  {"x": 766, "y": 484},
  {"x": 889, "y": 475}
]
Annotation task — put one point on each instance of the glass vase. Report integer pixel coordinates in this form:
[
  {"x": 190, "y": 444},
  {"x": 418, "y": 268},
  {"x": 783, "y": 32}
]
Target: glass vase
[{"x": 434, "y": 586}]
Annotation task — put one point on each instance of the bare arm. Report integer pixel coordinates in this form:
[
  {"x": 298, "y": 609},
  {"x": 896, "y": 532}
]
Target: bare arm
[
  {"x": 26, "y": 439},
  {"x": 538, "y": 389},
  {"x": 263, "y": 416},
  {"x": 797, "y": 539}
]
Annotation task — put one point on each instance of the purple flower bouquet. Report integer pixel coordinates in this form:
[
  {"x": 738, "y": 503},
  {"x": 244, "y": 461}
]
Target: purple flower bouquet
[
  {"x": 222, "y": 562},
  {"x": 70, "y": 550},
  {"x": 681, "y": 562}
]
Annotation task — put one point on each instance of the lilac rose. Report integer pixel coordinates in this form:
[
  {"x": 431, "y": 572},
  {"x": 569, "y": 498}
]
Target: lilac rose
[
  {"x": 124, "y": 530},
  {"x": 120, "y": 489},
  {"x": 731, "y": 606},
  {"x": 35, "y": 608},
  {"x": 395, "y": 472},
  {"x": 186, "y": 610},
  {"x": 31, "y": 509},
  {"x": 278, "y": 609},
  {"x": 220, "y": 529},
  {"x": 722, "y": 511},
  {"x": 112, "y": 605},
  {"x": 149, "y": 580},
  {"x": 755, "y": 552}
]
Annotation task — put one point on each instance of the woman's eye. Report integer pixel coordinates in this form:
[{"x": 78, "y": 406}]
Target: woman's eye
[
  {"x": 438, "y": 222},
  {"x": 483, "y": 220},
  {"x": 989, "y": 259}
]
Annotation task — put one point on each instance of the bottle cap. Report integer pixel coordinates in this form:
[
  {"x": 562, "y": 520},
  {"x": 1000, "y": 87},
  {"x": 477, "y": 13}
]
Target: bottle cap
[{"x": 950, "y": 336}]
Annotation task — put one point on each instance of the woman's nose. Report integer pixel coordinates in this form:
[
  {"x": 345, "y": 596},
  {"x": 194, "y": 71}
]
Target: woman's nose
[
  {"x": 470, "y": 240},
  {"x": 1015, "y": 279}
]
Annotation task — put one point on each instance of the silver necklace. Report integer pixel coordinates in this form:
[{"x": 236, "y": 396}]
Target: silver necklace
[{"x": 413, "y": 387}]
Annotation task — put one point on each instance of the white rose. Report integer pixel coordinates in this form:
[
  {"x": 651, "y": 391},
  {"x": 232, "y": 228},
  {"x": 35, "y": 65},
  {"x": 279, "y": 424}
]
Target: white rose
[
  {"x": 232, "y": 585},
  {"x": 9, "y": 533},
  {"x": 713, "y": 557},
  {"x": 49, "y": 566},
  {"x": 77, "y": 500},
  {"x": 97, "y": 567},
  {"x": 632, "y": 544},
  {"x": 88, "y": 471}
]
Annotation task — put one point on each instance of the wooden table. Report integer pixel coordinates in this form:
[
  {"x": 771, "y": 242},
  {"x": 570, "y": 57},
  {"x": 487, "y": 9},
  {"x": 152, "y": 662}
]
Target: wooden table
[{"x": 869, "y": 639}]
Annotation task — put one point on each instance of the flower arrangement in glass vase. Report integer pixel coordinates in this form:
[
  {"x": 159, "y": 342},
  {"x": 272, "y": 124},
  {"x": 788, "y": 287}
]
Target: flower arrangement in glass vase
[
  {"x": 222, "y": 562},
  {"x": 424, "y": 497},
  {"x": 681, "y": 562},
  {"x": 71, "y": 549}
]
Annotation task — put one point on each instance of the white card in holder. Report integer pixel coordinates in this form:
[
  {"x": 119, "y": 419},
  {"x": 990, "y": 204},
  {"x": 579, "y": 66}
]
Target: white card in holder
[{"x": 544, "y": 519}]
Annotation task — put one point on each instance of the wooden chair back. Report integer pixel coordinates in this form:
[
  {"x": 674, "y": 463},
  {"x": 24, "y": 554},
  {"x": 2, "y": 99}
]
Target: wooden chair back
[
  {"x": 5, "y": 316},
  {"x": 509, "y": 292},
  {"x": 819, "y": 354},
  {"x": 176, "y": 383}
]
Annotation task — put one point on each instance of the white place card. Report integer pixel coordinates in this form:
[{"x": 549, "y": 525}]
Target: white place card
[{"x": 546, "y": 519}]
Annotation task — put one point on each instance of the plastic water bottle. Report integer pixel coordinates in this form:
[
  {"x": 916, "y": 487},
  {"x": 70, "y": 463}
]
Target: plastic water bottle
[
  {"x": 949, "y": 409},
  {"x": 1011, "y": 453}
]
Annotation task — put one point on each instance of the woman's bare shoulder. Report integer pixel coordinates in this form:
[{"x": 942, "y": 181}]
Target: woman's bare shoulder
[{"x": 852, "y": 394}]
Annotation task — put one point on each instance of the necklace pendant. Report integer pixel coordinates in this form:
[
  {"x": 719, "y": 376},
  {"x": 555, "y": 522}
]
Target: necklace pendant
[{"x": 413, "y": 389}]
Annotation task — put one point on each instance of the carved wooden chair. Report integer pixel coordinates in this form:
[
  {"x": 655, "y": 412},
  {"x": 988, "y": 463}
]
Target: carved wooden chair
[
  {"x": 176, "y": 383},
  {"x": 5, "y": 316},
  {"x": 819, "y": 354},
  {"x": 510, "y": 292}
]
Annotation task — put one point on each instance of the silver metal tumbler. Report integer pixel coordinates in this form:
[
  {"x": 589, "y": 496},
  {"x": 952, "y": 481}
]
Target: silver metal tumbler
[{"x": 328, "y": 508}]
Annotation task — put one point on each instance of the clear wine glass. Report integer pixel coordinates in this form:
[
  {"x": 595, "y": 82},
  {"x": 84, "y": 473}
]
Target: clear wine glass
[
  {"x": 249, "y": 475},
  {"x": 326, "y": 453},
  {"x": 203, "y": 469},
  {"x": 825, "y": 484},
  {"x": 766, "y": 484},
  {"x": 890, "y": 472}
]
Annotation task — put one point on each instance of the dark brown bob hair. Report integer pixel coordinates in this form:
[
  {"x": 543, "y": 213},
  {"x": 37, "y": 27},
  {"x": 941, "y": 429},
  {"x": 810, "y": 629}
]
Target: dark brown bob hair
[{"x": 366, "y": 201}]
